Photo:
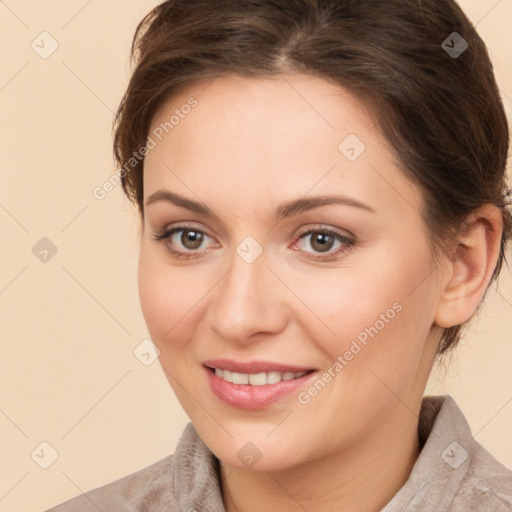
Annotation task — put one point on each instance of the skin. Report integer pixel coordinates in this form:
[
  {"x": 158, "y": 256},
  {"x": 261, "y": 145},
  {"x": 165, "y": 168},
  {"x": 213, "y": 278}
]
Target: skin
[{"x": 249, "y": 145}]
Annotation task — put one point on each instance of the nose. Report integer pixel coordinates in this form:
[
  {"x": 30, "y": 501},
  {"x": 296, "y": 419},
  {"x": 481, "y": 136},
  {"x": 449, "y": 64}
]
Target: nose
[{"x": 248, "y": 303}]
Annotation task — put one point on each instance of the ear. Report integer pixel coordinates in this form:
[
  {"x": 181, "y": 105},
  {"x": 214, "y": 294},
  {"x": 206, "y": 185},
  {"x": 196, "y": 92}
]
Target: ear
[{"x": 470, "y": 269}]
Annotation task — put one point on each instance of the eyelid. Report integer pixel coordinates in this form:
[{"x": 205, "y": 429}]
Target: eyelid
[
  {"x": 164, "y": 232},
  {"x": 327, "y": 229}
]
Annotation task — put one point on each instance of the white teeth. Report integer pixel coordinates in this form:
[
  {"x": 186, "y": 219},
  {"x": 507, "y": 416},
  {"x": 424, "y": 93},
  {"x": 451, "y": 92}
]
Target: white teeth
[
  {"x": 256, "y": 379},
  {"x": 273, "y": 377},
  {"x": 240, "y": 378}
]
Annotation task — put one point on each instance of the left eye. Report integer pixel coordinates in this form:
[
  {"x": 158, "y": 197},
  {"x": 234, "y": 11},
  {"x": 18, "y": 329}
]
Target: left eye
[{"x": 323, "y": 241}]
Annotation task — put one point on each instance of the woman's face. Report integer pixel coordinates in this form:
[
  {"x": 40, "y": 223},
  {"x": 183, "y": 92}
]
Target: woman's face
[{"x": 342, "y": 288}]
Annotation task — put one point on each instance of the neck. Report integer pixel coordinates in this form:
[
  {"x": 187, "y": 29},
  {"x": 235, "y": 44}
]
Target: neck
[{"x": 362, "y": 477}]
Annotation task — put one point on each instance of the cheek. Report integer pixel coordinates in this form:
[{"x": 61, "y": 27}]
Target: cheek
[
  {"x": 165, "y": 300},
  {"x": 377, "y": 313}
]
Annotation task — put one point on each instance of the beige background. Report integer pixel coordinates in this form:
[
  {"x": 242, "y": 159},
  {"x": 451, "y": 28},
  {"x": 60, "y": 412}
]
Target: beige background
[{"x": 69, "y": 325}]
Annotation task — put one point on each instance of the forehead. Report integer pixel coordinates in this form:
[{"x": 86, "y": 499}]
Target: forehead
[
  {"x": 270, "y": 102},
  {"x": 269, "y": 134}
]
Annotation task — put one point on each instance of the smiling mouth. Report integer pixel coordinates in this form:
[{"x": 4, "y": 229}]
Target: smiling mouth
[
  {"x": 257, "y": 379},
  {"x": 254, "y": 385}
]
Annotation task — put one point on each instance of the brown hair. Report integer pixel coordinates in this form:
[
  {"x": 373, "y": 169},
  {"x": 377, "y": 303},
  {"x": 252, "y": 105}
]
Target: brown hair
[{"x": 440, "y": 111}]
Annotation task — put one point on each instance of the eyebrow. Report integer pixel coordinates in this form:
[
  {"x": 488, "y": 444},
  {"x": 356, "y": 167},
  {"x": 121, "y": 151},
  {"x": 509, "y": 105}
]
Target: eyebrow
[{"x": 284, "y": 210}]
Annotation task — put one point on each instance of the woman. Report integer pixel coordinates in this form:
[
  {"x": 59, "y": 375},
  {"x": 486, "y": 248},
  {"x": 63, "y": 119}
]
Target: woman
[{"x": 323, "y": 204}]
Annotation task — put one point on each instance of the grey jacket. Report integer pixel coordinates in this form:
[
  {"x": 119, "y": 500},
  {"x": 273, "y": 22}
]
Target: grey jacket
[{"x": 453, "y": 473}]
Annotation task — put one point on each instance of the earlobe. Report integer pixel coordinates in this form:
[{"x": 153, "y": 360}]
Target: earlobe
[{"x": 471, "y": 267}]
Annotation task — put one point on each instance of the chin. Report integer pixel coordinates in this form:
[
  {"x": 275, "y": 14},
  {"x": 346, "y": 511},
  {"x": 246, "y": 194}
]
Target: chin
[{"x": 256, "y": 453}]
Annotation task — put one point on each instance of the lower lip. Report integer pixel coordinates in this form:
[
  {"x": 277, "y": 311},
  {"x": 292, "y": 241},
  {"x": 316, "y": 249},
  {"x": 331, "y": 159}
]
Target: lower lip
[{"x": 248, "y": 397}]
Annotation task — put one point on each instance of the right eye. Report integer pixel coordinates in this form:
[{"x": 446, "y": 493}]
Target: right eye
[{"x": 189, "y": 238}]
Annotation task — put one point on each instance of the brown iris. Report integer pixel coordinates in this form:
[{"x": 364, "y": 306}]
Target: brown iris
[
  {"x": 195, "y": 238},
  {"x": 322, "y": 242}
]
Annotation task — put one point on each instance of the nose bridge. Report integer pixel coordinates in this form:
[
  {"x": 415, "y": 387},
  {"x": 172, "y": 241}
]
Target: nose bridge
[{"x": 245, "y": 301}]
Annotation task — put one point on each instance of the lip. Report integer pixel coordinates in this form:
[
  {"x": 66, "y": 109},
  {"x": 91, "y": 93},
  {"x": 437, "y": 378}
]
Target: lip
[
  {"x": 254, "y": 366},
  {"x": 251, "y": 398}
]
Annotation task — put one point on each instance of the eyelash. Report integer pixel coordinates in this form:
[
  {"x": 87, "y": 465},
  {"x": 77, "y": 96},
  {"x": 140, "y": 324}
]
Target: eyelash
[{"x": 164, "y": 235}]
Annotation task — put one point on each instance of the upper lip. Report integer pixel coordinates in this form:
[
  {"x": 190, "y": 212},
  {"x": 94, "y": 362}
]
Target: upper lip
[{"x": 254, "y": 366}]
